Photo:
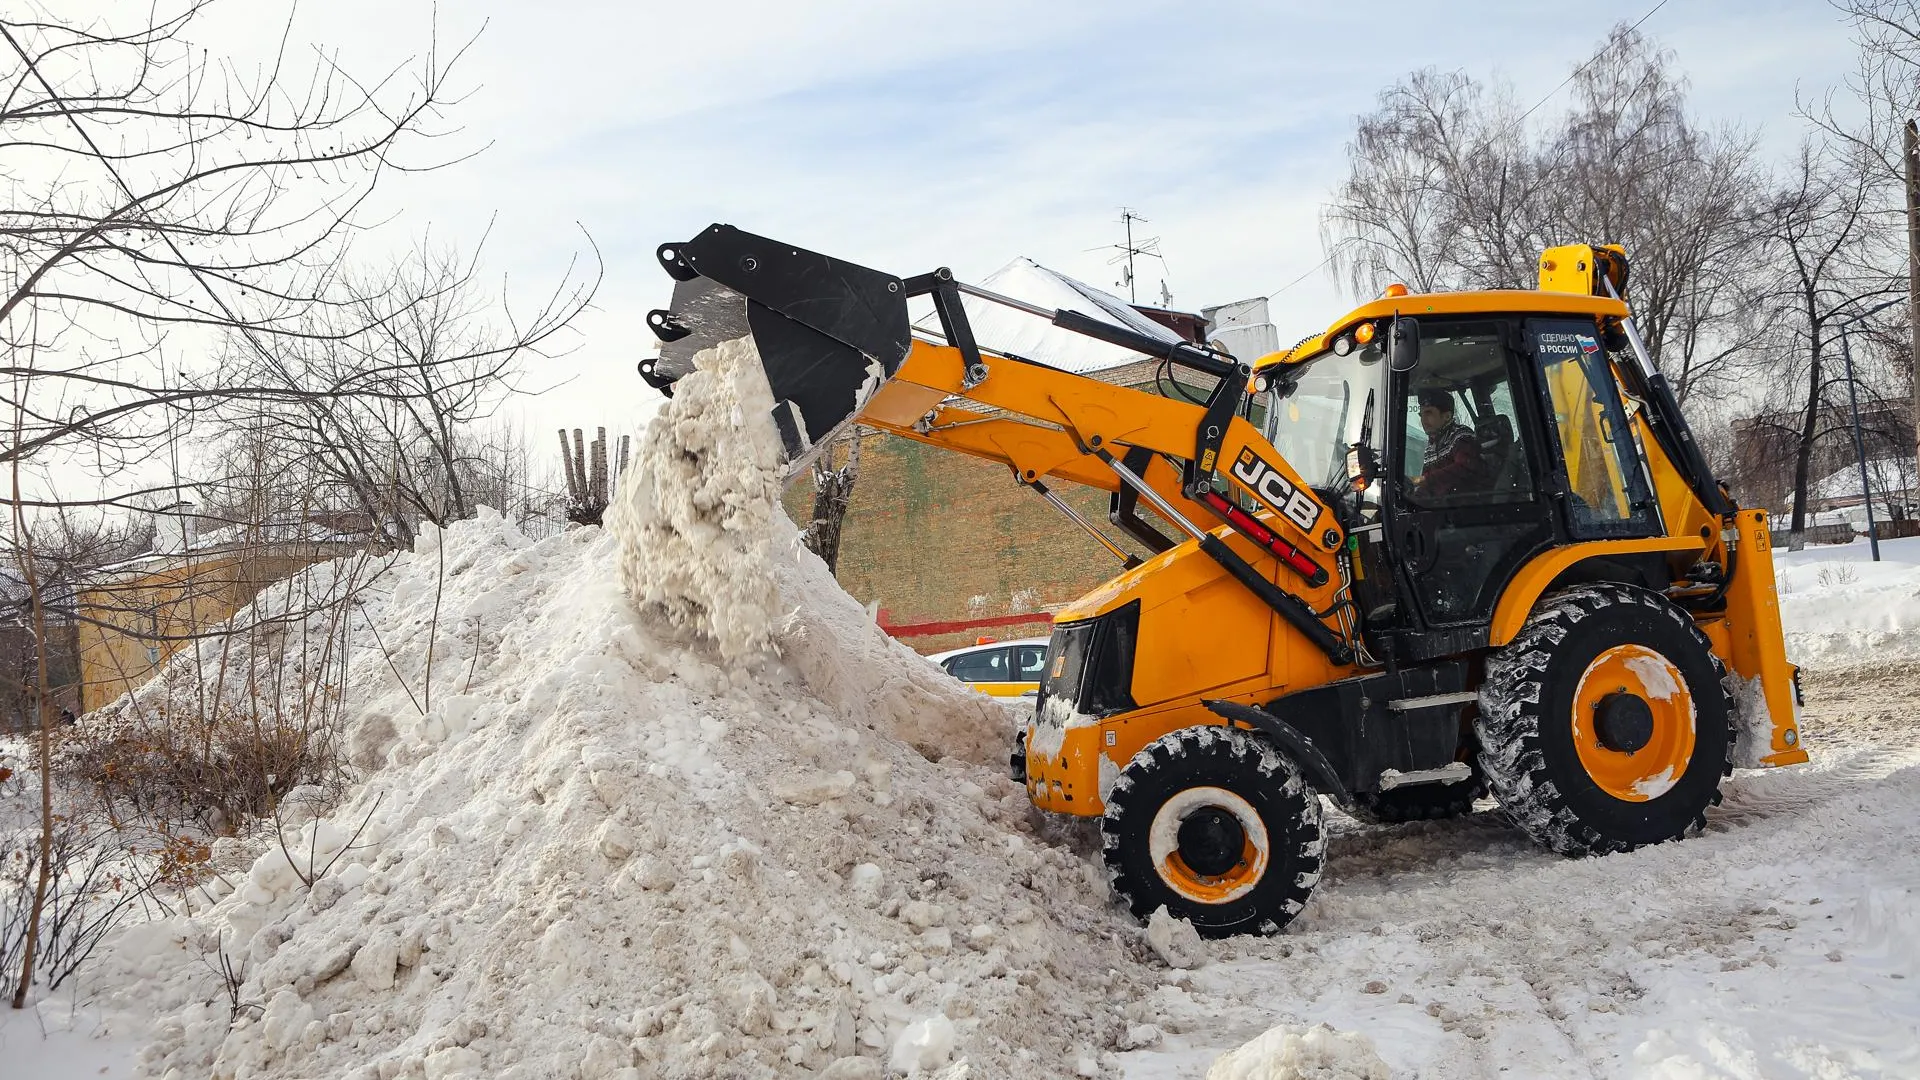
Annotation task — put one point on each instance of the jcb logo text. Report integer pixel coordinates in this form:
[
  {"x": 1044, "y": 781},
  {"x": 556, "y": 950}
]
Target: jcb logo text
[{"x": 1266, "y": 482}]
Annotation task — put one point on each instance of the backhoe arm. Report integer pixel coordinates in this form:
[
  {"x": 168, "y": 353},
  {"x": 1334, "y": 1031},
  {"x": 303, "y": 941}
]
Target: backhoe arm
[{"x": 834, "y": 339}]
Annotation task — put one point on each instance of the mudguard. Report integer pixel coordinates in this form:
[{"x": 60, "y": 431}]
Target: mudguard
[{"x": 1290, "y": 741}]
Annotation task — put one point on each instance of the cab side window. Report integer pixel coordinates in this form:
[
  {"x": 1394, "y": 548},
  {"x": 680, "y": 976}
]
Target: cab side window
[
  {"x": 1030, "y": 661},
  {"x": 1607, "y": 492},
  {"x": 987, "y": 665},
  {"x": 1461, "y": 437}
]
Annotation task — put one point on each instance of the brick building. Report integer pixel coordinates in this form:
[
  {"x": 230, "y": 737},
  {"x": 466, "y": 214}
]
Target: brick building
[
  {"x": 1762, "y": 464},
  {"x": 932, "y": 535}
]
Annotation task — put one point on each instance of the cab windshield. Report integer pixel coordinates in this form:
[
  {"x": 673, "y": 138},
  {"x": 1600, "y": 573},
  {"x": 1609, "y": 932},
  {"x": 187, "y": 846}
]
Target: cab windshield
[{"x": 1316, "y": 410}]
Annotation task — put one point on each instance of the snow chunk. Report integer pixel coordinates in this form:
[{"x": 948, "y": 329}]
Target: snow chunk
[
  {"x": 816, "y": 789},
  {"x": 924, "y": 1046},
  {"x": 1318, "y": 1053},
  {"x": 853, "y": 1068},
  {"x": 695, "y": 511},
  {"x": 1655, "y": 786},
  {"x": 374, "y": 963},
  {"x": 1656, "y": 677},
  {"x": 1175, "y": 941},
  {"x": 1753, "y": 722},
  {"x": 1051, "y": 724}
]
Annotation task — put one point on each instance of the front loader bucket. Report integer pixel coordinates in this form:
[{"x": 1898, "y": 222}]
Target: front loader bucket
[{"x": 828, "y": 332}]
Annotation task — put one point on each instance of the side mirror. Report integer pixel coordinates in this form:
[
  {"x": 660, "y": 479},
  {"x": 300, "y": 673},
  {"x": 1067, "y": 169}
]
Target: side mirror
[
  {"x": 1362, "y": 466},
  {"x": 1403, "y": 344}
]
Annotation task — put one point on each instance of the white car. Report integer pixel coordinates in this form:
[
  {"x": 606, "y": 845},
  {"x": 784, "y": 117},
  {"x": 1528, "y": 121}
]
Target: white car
[{"x": 1004, "y": 669}]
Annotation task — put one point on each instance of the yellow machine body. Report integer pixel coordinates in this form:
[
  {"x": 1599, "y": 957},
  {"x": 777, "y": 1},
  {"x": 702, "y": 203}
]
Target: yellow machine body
[
  {"x": 1203, "y": 637},
  {"x": 1349, "y": 591}
]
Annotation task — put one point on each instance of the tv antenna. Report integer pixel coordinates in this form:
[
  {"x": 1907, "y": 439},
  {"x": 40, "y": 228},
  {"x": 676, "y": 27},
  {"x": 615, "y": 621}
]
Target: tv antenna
[{"x": 1148, "y": 246}]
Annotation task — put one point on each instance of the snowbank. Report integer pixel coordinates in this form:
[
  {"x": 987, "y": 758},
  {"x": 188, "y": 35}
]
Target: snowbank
[
  {"x": 1841, "y": 609},
  {"x": 1318, "y": 1053},
  {"x": 701, "y": 835}
]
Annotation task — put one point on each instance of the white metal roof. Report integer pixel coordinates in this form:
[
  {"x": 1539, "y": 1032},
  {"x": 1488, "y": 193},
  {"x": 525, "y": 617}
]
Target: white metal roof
[
  {"x": 1888, "y": 476},
  {"x": 939, "y": 656}
]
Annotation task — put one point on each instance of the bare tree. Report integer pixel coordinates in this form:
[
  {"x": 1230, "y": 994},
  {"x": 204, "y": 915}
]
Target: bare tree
[
  {"x": 1442, "y": 190},
  {"x": 1885, "y": 81},
  {"x": 1887, "y": 84},
  {"x": 385, "y": 411},
  {"x": 156, "y": 201},
  {"x": 832, "y": 493},
  {"x": 1827, "y": 257},
  {"x": 1447, "y": 188}
]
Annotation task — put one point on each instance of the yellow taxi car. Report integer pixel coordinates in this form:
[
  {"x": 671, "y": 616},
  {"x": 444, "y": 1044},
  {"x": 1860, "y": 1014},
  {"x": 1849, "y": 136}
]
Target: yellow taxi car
[{"x": 1004, "y": 669}]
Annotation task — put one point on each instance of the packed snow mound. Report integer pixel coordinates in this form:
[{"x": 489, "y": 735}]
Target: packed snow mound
[
  {"x": 1318, "y": 1053},
  {"x": 1841, "y": 610},
  {"x": 601, "y": 847},
  {"x": 695, "y": 514}
]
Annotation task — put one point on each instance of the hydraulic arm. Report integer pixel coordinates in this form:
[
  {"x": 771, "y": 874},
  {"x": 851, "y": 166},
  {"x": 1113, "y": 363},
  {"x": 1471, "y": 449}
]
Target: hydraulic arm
[{"x": 836, "y": 342}]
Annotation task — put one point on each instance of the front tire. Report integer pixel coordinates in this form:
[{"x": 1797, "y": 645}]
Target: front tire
[
  {"x": 1604, "y": 724},
  {"x": 1219, "y": 827}
]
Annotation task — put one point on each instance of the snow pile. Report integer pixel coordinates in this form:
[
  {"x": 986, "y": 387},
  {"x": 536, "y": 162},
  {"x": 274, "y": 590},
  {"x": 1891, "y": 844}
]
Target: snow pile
[
  {"x": 602, "y": 847},
  {"x": 695, "y": 518},
  {"x": 1318, "y": 1053},
  {"x": 1841, "y": 609}
]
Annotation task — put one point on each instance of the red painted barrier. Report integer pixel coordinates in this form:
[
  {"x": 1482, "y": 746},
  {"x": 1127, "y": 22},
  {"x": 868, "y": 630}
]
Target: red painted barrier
[{"x": 956, "y": 626}]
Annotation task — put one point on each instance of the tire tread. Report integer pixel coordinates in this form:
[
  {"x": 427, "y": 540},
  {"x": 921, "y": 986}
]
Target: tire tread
[{"x": 1511, "y": 757}]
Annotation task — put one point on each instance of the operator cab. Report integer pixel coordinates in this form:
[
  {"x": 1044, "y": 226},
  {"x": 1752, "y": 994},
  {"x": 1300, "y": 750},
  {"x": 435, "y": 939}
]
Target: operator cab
[{"x": 1503, "y": 435}]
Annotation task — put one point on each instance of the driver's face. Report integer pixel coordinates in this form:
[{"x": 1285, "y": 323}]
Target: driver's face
[{"x": 1432, "y": 419}]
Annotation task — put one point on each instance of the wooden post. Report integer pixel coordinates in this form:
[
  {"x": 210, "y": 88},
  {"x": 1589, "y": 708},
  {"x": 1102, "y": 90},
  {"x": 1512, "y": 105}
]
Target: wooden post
[
  {"x": 588, "y": 481},
  {"x": 566, "y": 466}
]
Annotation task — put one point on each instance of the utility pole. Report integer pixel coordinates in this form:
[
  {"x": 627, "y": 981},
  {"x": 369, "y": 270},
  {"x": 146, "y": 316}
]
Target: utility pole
[{"x": 1911, "y": 158}]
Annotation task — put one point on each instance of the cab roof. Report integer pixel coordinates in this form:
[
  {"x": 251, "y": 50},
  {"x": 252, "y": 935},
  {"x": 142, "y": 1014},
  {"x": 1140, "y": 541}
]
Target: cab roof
[{"x": 1481, "y": 302}]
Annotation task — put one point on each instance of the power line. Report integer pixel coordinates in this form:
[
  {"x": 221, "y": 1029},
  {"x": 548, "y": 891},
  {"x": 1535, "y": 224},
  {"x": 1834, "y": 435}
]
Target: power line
[{"x": 1521, "y": 119}]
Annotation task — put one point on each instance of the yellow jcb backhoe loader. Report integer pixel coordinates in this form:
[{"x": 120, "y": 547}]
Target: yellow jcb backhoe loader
[{"x": 1458, "y": 544}]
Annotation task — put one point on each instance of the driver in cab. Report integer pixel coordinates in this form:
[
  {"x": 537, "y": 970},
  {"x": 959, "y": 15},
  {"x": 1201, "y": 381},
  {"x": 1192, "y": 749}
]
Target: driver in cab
[{"x": 1452, "y": 462}]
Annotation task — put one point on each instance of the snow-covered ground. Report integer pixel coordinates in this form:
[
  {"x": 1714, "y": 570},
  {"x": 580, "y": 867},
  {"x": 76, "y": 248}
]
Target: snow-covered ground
[
  {"x": 1842, "y": 609},
  {"x": 1785, "y": 942},
  {"x": 635, "y": 844}
]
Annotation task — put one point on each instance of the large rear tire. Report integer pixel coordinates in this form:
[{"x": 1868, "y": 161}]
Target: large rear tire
[
  {"x": 1604, "y": 725},
  {"x": 1219, "y": 827}
]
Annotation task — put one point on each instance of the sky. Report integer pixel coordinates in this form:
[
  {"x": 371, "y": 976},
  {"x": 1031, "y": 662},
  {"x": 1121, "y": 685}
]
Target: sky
[{"x": 910, "y": 136}]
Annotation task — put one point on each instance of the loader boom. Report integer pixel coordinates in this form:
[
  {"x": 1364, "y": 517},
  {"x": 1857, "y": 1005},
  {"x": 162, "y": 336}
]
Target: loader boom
[{"x": 829, "y": 368}]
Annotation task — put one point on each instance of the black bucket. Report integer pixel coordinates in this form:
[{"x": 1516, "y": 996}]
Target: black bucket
[{"x": 829, "y": 332}]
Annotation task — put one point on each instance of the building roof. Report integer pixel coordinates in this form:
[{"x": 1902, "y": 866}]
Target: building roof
[
  {"x": 1002, "y": 329},
  {"x": 1889, "y": 476}
]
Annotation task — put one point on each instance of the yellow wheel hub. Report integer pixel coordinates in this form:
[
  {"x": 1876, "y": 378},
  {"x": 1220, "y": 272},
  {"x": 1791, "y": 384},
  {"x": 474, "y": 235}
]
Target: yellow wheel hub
[
  {"x": 1633, "y": 722},
  {"x": 1208, "y": 844}
]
